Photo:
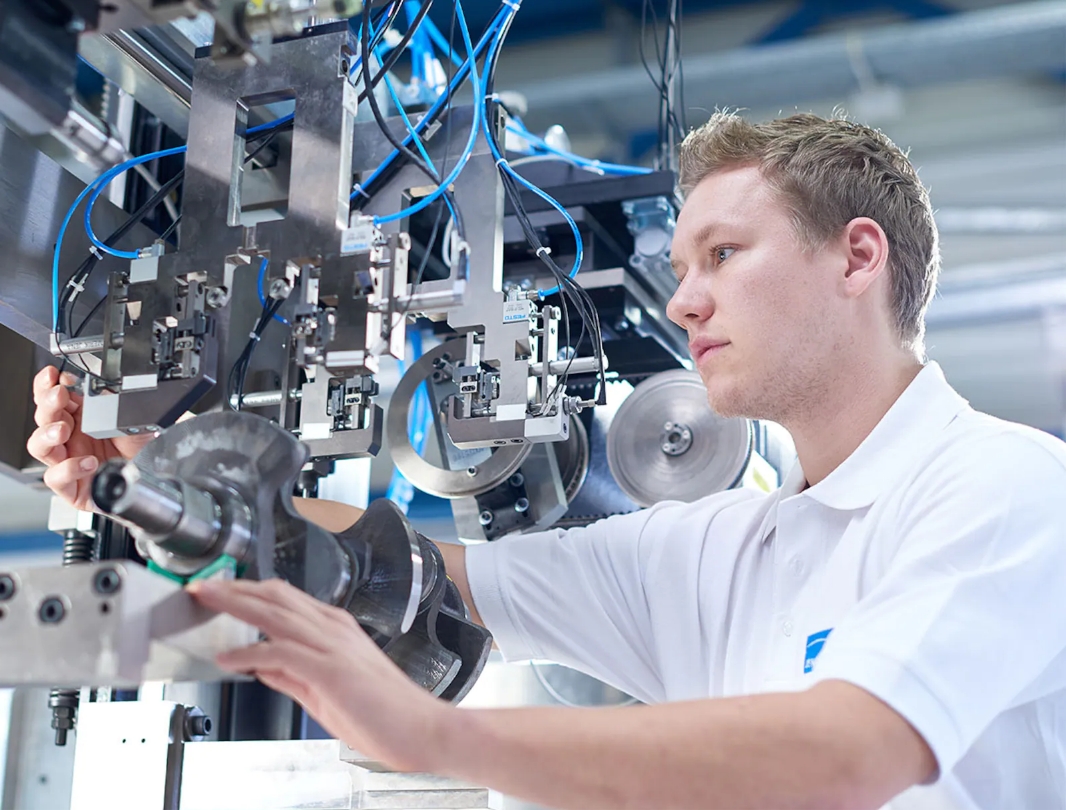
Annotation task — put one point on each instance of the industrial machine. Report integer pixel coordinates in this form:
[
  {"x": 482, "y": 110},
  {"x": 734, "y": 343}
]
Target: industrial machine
[{"x": 302, "y": 214}]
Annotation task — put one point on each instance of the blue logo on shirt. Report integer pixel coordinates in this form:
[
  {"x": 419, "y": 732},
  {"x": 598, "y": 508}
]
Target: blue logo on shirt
[{"x": 815, "y": 642}]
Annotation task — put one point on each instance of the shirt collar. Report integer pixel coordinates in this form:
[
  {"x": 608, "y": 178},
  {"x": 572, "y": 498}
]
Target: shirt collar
[{"x": 922, "y": 411}]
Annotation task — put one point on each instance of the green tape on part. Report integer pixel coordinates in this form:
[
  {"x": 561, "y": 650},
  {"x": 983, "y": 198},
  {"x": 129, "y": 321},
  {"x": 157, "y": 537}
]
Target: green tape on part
[{"x": 223, "y": 563}]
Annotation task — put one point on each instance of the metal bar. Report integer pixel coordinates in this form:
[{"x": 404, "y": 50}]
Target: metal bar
[
  {"x": 124, "y": 59},
  {"x": 579, "y": 365},
  {"x": 79, "y": 346},
  {"x": 264, "y": 399}
]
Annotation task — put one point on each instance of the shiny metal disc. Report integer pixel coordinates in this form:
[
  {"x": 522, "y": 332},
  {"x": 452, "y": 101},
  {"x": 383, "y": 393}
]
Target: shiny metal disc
[
  {"x": 666, "y": 444},
  {"x": 573, "y": 458},
  {"x": 430, "y": 478}
]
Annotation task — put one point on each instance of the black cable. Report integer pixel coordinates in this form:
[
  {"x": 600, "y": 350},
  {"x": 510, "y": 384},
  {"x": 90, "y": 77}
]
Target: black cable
[
  {"x": 380, "y": 28},
  {"x": 569, "y": 290},
  {"x": 81, "y": 275},
  {"x": 449, "y": 201},
  {"x": 173, "y": 226},
  {"x": 239, "y": 371},
  {"x": 371, "y": 98},
  {"x": 395, "y": 54}
]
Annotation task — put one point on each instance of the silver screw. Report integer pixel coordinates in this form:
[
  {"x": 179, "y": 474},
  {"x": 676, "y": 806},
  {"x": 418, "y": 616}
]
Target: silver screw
[
  {"x": 485, "y": 518},
  {"x": 521, "y": 506}
]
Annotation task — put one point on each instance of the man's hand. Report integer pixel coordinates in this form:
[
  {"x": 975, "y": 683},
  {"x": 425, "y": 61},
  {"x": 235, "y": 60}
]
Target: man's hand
[
  {"x": 320, "y": 657},
  {"x": 833, "y": 746},
  {"x": 71, "y": 456}
]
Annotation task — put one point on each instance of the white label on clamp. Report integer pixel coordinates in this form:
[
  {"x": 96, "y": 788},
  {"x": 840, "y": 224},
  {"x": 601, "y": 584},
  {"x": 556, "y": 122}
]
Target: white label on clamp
[
  {"x": 313, "y": 431},
  {"x": 139, "y": 382},
  {"x": 359, "y": 238},
  {"x": 510, "y": 413},
  {"x": 515, "y": 311}
]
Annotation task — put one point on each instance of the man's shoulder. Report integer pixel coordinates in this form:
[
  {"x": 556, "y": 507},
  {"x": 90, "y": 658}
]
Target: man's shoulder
[
  {"x": 739, "y": 507},
  {"x": 978, "y": 447}
]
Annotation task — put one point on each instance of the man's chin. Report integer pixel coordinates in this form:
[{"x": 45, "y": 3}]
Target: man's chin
[{"x": 727, "y": 400}]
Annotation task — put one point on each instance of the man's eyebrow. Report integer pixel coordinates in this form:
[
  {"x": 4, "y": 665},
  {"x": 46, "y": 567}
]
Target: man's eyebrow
[
  {"x": 705, "y": 233},
  {"x": 702, "y": 235}
]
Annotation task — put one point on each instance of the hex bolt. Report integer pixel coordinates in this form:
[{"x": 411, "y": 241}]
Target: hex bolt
[
  {"x": 7, "y": 587},
  {"x": 517, "y": 480},
  {"x": 107, "y": 581},
  {"x": 52, "y": 610},
  {"x": 521, "y": 506},
  {"x": 197, "y": 725},
  {"x": 485, "y": 518}
]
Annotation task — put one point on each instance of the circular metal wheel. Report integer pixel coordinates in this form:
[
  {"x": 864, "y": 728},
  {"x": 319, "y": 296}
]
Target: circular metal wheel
[
  {"x": 430, "y": 478},
  {"x": 573, "y": 457},
  {"x": 665, "y": 442}
]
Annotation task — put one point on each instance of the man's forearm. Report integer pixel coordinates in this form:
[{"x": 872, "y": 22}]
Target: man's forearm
[
  {"x": 831, "y": 747},
  {"x": 332, "y": 516}
]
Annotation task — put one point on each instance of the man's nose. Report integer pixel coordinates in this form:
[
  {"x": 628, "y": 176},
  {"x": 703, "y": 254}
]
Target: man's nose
[{"x": 691, "y": 303}]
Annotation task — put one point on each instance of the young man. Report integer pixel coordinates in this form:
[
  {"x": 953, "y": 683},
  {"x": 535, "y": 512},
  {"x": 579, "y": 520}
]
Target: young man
[{"x": 885, "y": 628}]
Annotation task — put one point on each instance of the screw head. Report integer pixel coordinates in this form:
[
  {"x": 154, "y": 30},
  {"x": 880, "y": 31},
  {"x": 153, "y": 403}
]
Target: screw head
[
  {"x": 217, "y": 297},
  {"x": 485, "y": 518},
  {"x": 7, "y": 587},
  {"x": 521, "y": 506},
  {"x": 52, "y": 610},
  {"x": 471, "y": 471},
  {"x": 107, "y": 581},
  {"x": 517, "y": 480}
]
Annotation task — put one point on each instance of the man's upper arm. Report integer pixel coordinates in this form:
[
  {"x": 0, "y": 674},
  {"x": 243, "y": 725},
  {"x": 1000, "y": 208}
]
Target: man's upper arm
[
  {"x": 573, "y": 596},
  {"x": 968, "y": 615}
]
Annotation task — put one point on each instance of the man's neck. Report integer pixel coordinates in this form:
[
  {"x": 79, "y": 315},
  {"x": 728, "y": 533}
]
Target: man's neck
[{"x": 847, "y": 414}]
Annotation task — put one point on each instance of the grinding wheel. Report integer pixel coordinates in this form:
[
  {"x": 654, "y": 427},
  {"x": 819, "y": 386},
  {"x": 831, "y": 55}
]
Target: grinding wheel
[{"x": 665, "y": 442}]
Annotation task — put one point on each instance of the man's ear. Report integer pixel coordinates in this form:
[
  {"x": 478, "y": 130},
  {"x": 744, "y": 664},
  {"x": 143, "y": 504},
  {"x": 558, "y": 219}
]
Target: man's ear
[{"x": 865, "y": 248}]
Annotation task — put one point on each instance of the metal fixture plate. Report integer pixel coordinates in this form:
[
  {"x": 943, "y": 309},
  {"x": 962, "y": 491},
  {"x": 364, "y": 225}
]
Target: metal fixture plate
[{"x": 146, "y": 629}]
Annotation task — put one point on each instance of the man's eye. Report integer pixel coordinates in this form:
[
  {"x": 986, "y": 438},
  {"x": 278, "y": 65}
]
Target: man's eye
[{"x": 723, "y": 253}]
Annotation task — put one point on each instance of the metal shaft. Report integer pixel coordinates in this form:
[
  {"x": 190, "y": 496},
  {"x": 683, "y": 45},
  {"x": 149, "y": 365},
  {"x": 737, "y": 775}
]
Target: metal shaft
[{"x": 182, "y": 518}]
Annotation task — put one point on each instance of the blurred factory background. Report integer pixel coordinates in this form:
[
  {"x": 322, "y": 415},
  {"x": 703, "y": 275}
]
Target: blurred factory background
[{"x": 976, "y": 90}]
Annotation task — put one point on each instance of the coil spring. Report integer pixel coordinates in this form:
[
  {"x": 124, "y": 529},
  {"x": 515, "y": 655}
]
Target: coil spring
[{"x": 78, "y": 548}]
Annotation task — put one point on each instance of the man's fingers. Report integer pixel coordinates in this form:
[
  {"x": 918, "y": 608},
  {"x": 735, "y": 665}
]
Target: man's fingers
[
  {"x": 55, "y": 405},
  {"x": 64, "y": 477},
  {"x": 286, "y": 684},
  {"x": 44, "y": 381},
  {"x": 279, "y": 592},
  {"x": 279, "y": 656},
  {"x": 259, "y": 604},
  {"x": 47, "y": 444}
]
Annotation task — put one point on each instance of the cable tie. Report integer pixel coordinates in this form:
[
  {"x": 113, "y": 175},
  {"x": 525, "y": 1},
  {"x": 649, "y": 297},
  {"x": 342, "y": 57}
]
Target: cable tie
[
  {"x": 502, "y": 161},
  {"x": 359, "y": 189},
  {"x": 512, "y": 4},
  {"x": 545, "y": 250},
  {"x": 93, "y": 249},
  {"x": 254, "y": 336}
]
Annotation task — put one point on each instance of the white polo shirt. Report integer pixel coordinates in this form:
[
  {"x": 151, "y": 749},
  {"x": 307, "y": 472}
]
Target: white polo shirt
[{"x": 928, "y": 569}]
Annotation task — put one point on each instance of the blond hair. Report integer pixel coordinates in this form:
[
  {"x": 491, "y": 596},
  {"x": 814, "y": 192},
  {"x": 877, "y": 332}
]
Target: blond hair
[{"x": 828, "y": 172}]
